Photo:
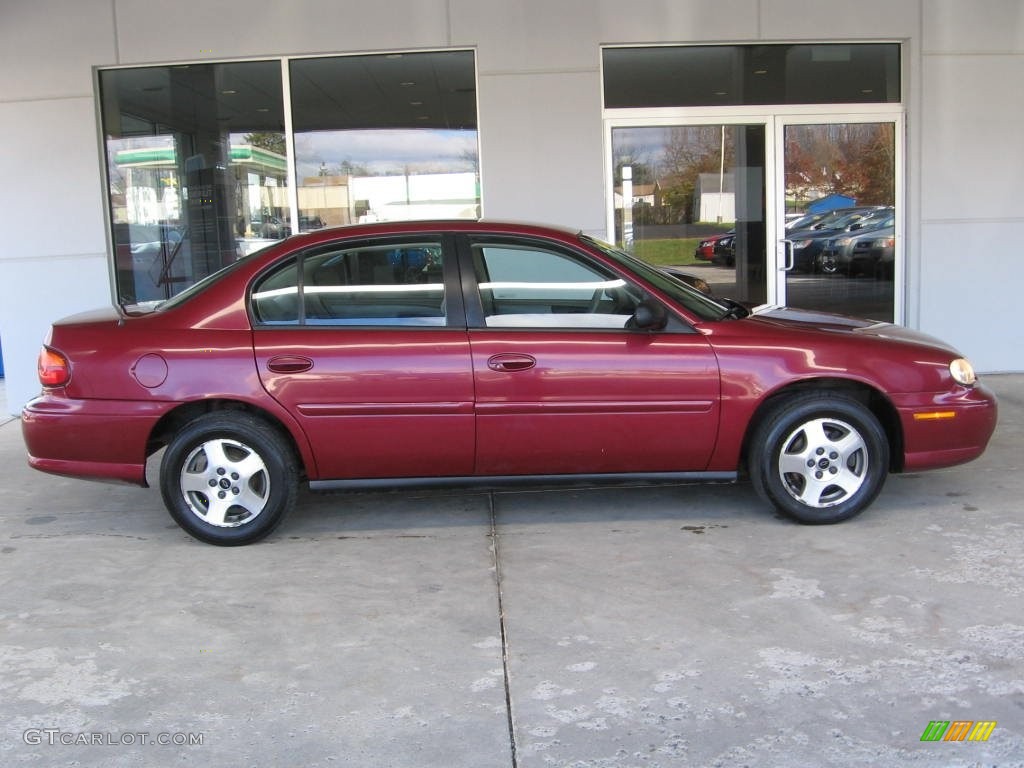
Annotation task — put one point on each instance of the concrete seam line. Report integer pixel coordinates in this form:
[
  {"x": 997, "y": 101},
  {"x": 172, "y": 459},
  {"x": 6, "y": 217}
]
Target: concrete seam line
[{"x": 503, "y": 629}]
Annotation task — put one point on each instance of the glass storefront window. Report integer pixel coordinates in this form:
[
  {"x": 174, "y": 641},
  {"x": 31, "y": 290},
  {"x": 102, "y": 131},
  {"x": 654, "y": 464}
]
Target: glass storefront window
[
  {"x": 385, "y": 137},
  {"x": 198, "y": 155},
  {"x": 197, "y": 170},
  {"x": 731, "y": 75}
]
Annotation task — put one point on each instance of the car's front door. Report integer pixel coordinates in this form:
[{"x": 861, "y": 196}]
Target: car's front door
[
  {"x": 563, "y": 386},
  {"x": 354, "y": 339}
]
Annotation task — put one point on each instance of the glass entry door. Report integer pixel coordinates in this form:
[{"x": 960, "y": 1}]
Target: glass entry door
[
  {"x": 693, "y": 197},
  {"x": 840, "y": 193},
  {"x": 795, "y": 209}
]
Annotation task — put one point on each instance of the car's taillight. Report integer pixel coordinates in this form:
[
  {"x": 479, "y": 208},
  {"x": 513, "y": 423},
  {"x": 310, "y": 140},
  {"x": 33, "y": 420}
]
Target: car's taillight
[{"x": 54, "y": 368}]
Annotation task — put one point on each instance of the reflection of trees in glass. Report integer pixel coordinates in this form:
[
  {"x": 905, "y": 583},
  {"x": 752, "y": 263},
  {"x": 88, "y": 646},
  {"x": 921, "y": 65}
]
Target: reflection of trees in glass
[
  {"x": 689, "y": 152},
  {"x": 349, "y": 168},
  {"x": 637, "y": 159},
  {"x": 852, "y": 159},
  {"x": 642, "y": 172},
  {"x": 273, "y": 142},
  {"x": 671, "y": 162}
]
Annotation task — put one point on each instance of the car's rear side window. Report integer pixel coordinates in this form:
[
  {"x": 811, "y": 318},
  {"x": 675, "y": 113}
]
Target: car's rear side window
[{"x": 386, "y": 285}]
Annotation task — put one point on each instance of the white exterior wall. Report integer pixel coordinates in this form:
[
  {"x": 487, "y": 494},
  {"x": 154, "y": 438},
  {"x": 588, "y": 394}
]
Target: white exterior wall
[
  {"x": 539, "y": 102},
  {"x": 971, "y": 171}
]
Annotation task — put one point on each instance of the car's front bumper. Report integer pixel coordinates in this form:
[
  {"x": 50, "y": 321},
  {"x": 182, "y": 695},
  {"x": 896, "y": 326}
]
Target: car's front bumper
[{"x": 945, "y": 429}]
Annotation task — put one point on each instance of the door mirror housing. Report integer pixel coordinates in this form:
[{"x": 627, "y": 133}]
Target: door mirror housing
[{"x": 649, "y": 316}]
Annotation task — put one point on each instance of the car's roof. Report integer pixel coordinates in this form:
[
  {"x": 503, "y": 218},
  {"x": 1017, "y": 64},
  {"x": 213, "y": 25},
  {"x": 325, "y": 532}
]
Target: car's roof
[{"x": 439, "y": 225}]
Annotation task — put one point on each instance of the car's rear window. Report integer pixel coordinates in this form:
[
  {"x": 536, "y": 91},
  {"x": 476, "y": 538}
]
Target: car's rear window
[{"x": 196, "y": 288}]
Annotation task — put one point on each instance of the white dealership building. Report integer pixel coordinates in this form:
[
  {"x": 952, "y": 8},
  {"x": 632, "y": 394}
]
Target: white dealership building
[{"x": 146, "y": 143}]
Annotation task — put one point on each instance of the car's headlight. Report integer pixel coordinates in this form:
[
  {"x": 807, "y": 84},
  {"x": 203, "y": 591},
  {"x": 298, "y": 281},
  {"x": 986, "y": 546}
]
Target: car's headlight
[{"x": 962, "y": 372}]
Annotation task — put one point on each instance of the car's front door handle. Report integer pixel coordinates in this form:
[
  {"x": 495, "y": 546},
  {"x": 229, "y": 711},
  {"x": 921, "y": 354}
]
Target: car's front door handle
[
  {"x": 289, "y": 364},
  {"x": 509, "y": 361}
]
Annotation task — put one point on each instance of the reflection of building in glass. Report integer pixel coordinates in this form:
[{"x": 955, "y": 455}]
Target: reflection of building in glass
[
  {"x": 333, "y": 200},
  {"x": 324, "y": 201},
  {"x": 150, "y": 181},
  {"x": 426, "y": 196},
  {"x": 149, "y": 193},
  {"x": 715, "y": 198}
]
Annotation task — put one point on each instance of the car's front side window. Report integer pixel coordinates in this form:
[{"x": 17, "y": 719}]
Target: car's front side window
[
  {"x": 526, "y": 286},
  {"x": 371, "y": 285}
]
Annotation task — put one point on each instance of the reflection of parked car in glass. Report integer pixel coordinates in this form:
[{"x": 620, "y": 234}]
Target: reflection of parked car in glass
[
  {"x": 307, "y": 223},
  {"x": 824, "y": 219},
  {"x": 883, "y": 251},
  {"x": 155, "y": 261},
  {"x": 808, "y": 243},
  {"x": 706, "y": 247},
  {"x": 852, "y": 253},
  {"x": 725, "y": 251},
  {"x": 144, "y": 255},
  {"x": 264, "y": 225}
]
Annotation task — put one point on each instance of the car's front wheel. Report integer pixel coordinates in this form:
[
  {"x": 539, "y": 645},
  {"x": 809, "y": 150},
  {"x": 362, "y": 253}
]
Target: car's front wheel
[
  {"x": 819, "y": 458},
  {"x": 228, "y": 478}
]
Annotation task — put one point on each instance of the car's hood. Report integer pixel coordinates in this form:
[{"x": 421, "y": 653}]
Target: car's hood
[
  {"x": 801, "y": 319},
  {"x": 872, "y": 234},
  {"x": 813, "y": 234}
]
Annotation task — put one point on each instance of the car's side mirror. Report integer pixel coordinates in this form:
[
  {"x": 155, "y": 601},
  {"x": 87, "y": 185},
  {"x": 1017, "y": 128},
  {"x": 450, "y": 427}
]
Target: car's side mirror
[{"x": 649, "y": 316}]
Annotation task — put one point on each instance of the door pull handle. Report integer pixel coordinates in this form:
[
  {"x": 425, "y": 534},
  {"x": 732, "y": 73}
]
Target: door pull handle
[
  {"x": 508, "y": 362},
  {"x": 289, "y": 364}
]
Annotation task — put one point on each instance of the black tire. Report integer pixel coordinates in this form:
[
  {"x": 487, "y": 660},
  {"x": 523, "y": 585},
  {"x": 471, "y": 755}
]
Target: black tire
[
  {"x": 229, "y": 478},
  {"x": 819, "y": 458}
]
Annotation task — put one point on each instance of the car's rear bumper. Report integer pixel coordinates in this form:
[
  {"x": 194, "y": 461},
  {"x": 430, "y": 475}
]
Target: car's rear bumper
[
  {"x": 92, "y": 439},
  {"x": 945, "y": 429}
]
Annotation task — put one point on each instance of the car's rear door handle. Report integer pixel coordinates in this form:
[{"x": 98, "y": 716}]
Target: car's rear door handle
[
  {"x": 510, "y": 361},
  {"x": 289, "y": 364}
]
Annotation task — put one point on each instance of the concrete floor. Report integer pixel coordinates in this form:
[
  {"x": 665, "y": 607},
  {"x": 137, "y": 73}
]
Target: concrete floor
[{"x": 658, "y": 626}]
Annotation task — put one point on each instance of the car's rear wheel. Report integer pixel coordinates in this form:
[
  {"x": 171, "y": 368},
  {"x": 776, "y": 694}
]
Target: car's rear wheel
[
  {"x": 228, "y": 478},
  {"x": 819, "y": 458}
]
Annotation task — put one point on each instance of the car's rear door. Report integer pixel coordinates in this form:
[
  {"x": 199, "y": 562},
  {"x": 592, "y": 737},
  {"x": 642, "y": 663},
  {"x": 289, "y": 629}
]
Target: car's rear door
[
  {"x": 562, "y": 386},
  {"x": 365, "y": 344}
]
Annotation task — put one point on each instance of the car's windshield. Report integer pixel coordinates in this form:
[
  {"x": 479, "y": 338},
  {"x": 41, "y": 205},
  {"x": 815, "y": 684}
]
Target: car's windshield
[
  {"x": 841, "y": 222},
  {"x": 805, "y": 222},
  {"x": 705, "y": 307},
  {"x": 876, "y": 218}
]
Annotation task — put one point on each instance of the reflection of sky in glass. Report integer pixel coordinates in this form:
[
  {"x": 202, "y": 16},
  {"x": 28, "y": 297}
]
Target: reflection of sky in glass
[
  {"x": 641, "y": 144},
  {"x": 381, "y": 152},
  {"x": 663, "y": 148}
]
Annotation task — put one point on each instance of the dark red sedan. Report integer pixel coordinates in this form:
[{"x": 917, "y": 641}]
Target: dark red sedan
[
  {"x": 706, "y": 247},
  {"x": 474, "y": 352}
]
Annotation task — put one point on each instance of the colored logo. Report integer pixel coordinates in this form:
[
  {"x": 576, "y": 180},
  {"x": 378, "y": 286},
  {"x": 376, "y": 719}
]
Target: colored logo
[{"x": 958, "y": 730}]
